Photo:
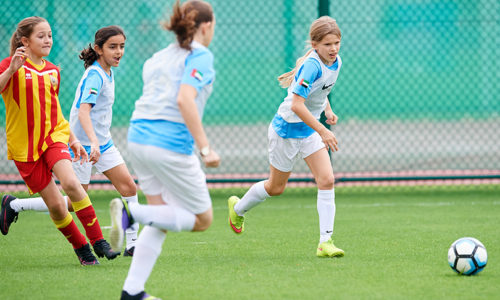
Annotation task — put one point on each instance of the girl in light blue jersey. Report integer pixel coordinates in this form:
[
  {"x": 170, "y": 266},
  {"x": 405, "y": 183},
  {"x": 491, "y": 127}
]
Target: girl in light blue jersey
[
  {"x": 164, "y": 130},
  {"x": 91, "y": 116},
  {"x": 295, "y": 132}
]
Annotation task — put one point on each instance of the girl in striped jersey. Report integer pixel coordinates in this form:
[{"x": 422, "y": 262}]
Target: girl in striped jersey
[
  {"x": 90, "y": 122},
  {"x": 296, "y": 132},
  {"x": 37, "y": 139},
  {"x": 165, "y": 125}
]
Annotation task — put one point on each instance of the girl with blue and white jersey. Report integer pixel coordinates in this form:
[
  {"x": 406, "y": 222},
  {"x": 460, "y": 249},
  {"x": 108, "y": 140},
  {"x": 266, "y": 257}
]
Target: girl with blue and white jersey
[
  {"x": 165, "y": 126},
  {"x": 295, "y": 132},
  {"x": 91, "y": 116}
]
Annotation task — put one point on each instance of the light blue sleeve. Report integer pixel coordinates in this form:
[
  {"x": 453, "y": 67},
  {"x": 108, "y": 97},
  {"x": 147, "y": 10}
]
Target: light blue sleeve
[
  {"x": 199, "y": 70},
  {"x": 91, "y": 87},
  {"x": 308, "y": 73}
]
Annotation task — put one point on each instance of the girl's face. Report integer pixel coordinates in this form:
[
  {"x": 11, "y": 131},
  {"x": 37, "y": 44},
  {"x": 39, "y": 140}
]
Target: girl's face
[
  {"x": 39, "y": 43},
  {"x": 209, "y": 33},
  {"x": 328, "y": 48},
  {"x": 111, "y": 52}
]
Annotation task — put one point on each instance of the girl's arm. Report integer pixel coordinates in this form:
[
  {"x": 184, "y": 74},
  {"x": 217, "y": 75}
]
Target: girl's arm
[
  {"x": 300, "y": 109},
  {"x": 189, "y": 112},
  {"x": 331, "y": 117},
  {"x": 16, "y": 62},
  {"x": 86, "y": 122},
  {"x": 77, "y": 148}
]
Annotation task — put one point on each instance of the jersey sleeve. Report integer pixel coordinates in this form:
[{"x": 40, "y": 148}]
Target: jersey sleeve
[
  {"x": 309, "y": 72},
  {"x": 199, "y": 70},
  {"x": 4, "y": 65},
  {"x": 91, "y": 88}
]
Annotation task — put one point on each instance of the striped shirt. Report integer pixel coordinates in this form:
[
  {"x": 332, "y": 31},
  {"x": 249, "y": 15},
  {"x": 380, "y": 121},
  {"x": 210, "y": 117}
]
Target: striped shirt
[{"x": 33, "y": 113}]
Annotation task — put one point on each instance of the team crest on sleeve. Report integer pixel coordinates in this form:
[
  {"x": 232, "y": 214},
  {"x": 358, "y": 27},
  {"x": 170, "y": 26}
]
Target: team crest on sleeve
[
  {"x": 197, "y": 74},
  {"x": 93, "y": 91},
  {"x": 304, "y": 83},
  {"x": 53, "y": 81}
]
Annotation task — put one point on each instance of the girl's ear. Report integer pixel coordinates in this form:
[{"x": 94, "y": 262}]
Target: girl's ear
[
  {"x": 25, "y": 41},
  {"x": 98, "y": 50},
  {"x": 313, "y": 45},
  {"x": 205, "y": 26}
]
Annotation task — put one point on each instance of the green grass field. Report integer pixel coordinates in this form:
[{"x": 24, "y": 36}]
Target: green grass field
[{"x": 396, "y": 241}]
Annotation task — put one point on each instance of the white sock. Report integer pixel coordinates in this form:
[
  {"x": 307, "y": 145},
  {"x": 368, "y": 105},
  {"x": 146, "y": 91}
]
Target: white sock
[
  {"x": 147, "y": 249},
  {"x": 36, "y": 204},
  {"x": 326, "y": 212},
  {"x": 169, "y": 217},
  {"x": 253, "y": 197},
  {"x": 131, "y": 232}
]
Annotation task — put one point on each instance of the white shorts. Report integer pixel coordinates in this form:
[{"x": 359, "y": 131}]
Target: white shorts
[
  {"x": 177, "y": 177},
  {"x": 284, "y": 152},
  {"x": 108, "y": 160}
]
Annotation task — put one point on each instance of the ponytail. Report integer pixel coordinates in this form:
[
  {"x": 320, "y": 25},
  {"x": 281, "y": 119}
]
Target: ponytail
[
  {"x": 89, "y": 56},
  {"x": 15, "y": 42},
  {"x": 286, "y": 79},
  {"x": 186, "y": 19}
]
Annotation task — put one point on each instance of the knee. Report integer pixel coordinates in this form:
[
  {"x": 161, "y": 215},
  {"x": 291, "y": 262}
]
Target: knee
[
  {"x": 127, "y": 189},
  {"x": 326, "y": 182},
  {"x": 70, "y": 185},
  {"x": 276, "y": 190},
  {"x": 57, "y": 209},
  {"x": 202, "y": 222}
]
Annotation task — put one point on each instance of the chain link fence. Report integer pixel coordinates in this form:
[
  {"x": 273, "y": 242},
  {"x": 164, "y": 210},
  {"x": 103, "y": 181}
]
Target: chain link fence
[{"x": 417, "y": 95}]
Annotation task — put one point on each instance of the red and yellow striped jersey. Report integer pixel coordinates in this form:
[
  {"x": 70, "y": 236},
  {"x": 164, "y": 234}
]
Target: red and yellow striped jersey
[{"x": 33, "y": 113}]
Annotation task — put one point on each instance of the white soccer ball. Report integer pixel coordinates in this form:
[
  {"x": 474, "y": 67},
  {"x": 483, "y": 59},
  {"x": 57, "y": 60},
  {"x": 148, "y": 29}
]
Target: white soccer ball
[{"x": 467, "y": 256}]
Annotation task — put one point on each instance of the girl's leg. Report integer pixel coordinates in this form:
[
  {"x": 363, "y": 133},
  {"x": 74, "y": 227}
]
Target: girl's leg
[
  {"x": 60, "y": 215},
  {"x": 320, "y": 165},
  {"x": 149, "y": 246},
  {"x": 274, "y": 186},
  {"x": 122, "y": 181},
  {"x": 35, "y": 204},
  {"x": 82, "y": 206}
]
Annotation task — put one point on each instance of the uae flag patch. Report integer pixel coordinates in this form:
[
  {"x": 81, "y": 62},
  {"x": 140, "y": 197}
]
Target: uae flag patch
[
  {"x": 197, "y": 74},
  {"x": 93, "y": 91},
  {"x": 304, "y": 83}
]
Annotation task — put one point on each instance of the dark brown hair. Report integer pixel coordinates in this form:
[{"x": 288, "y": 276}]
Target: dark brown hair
[
  {"x": 24, "y": 29},
  {"x": 89, "y": 55},
  {"x": 186, "y": 19}
]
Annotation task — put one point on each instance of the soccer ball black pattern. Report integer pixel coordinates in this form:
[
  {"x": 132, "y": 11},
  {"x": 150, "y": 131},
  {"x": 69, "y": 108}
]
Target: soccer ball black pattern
[{"x": 467, "y": 256}]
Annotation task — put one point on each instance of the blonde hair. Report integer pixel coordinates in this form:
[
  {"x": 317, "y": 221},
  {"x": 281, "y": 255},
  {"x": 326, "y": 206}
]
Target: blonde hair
[
  {"x": 24, "y": 29},
  {"x": 186, "y": 19},
  {"x": 319, "y": 29}
]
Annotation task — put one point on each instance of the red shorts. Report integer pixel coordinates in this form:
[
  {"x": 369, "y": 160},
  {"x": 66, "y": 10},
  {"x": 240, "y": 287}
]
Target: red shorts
[{"x": 37, "y": 174}]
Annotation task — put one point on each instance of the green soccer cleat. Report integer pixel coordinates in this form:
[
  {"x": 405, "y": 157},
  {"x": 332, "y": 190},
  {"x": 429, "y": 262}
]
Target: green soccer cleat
[
  {"x": 328, "y": 249},
  {"x": 236, "y": 222}
]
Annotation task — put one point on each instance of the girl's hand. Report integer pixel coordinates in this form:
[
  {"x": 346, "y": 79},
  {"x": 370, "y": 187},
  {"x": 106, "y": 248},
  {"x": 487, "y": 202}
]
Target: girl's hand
[
  {"x": 331, "y": 118},
  {"x": 95, "y": 153},
  {"x": 79, "y": 151},
  {"x": 211, "y": 160},
  {"x": 18, "y": 59},
  {"x": 329, "y": 139}
]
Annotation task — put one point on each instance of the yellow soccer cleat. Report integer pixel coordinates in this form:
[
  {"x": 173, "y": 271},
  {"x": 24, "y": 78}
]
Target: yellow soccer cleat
[
  {"x": 328, "y": 249},
  {"x": 236, "y": 222}
]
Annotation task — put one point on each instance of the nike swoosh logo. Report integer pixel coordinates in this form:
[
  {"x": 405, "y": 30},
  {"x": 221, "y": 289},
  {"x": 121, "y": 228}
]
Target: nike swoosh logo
[
  {"x": 234, "y": 228},
  {"x": 93, "y": 222},
  {"x": 68, "y": 236},
  {"x": 329, "y": 231},
  {"x": 327, "y": 86}
]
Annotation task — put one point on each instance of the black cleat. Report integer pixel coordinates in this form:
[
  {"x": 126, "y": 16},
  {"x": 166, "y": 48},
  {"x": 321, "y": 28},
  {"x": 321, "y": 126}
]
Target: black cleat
[
  {"x": 129, "y": 252},
  {"x": 7, "y": 215},
  {"x": 102, "y": 248},
  {"x": 141, "y": 296},
  {"x": 85, "y": 256}
]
